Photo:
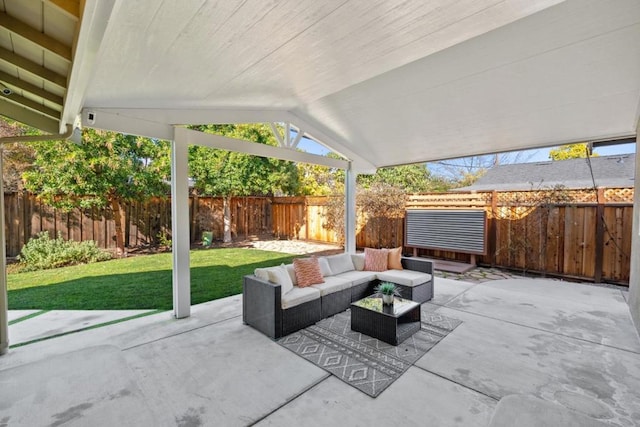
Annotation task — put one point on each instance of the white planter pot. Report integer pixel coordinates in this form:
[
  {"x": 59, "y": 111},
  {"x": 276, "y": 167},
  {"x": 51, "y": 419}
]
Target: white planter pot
[{"x": 387, "y": 299}]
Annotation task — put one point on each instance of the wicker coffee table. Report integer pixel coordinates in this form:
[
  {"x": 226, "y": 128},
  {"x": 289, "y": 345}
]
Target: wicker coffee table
[{"x": 389, "y": 323}]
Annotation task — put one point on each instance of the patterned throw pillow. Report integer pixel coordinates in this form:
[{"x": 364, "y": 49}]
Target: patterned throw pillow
[
  {"x": 394, "y": 261},
  {"x": 375, "y": 259},
  {"x": 307, "y": 272}
]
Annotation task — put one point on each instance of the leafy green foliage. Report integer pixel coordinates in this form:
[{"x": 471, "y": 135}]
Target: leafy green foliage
[
  {"x": 570, "y": 151},
  {"x": 387, "y": 288},
  {"x": 105, "y": 170},
  {"x": 42, "y": 252},
  {"x": 225, "y": 173},
  {"x": 414, "y": 178},
  {"x": 317, "y": 180},
  {"x": 374, "y": 205},
  {"x": 16, "y": 157},
  {"x": 105, "y": 166}
]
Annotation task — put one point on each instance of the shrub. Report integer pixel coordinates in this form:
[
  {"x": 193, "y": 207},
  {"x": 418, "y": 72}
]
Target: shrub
[{"x": 42, "y": 252}]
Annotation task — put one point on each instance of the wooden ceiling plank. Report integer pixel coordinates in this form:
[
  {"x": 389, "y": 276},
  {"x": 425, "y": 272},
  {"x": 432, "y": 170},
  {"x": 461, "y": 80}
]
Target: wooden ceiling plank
[
  {"x": 23, "y": 30},
  {"x": 33, "y": 68},
  {"x": 71, "y": 7},
  {"x": 28, "y": 117},
  {"x": 26, "y": 102},
  {"x": 28, "y": 87}
]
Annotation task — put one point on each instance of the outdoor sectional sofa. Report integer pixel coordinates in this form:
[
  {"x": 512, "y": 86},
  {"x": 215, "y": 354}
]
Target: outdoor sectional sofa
[{"x": 265, "y": 308}]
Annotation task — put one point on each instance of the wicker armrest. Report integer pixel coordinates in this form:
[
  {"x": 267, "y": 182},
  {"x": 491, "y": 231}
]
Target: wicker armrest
[
  {"x": 417, "y": 264},
  {"x": 261, "y": 305}
]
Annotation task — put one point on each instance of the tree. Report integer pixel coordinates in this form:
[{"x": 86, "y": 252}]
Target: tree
[
  {"x": 17, "y": 157},
  {"x": 227, "y": 174},
  {"x": 317, "y": 180},
  {"x": 378, "y": 203},
  {"x": 465, "y": 171},
  {"x": 571, "y": 151},
  {"x": 415, "y": 178},
  {"x": 106, "y": 169}
]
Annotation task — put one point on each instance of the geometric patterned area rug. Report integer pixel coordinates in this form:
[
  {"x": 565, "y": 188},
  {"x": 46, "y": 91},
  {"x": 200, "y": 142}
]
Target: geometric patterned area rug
[{"x": 368, "y": 364}]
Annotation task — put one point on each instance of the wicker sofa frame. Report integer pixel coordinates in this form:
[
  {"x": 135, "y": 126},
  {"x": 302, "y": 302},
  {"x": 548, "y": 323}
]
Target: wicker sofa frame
[{"x": 262, "y": 306}]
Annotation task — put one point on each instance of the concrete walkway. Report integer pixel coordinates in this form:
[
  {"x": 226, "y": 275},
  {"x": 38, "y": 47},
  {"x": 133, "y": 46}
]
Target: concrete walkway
[
  {"x": 529, "y": 353},
  {"x": 32, "y": 325}
]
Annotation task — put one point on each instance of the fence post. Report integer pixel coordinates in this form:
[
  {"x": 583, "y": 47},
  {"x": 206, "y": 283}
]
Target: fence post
[
  {"x": 493, "y": 227},
  {"x": 599, "y": 235}
]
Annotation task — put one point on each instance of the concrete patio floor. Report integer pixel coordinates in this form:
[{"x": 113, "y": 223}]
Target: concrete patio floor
[{"x": 530, "y": 352}]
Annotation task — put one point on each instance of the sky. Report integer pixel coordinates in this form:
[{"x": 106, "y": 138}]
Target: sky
[{"x": 525, "y": 156}]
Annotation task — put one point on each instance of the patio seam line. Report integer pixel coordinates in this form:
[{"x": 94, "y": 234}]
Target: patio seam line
[
  {"x": 294, "y": 397},
  {"x": 541, "y": 330},
  {"x": 27, "y": 317},
  {"x": 87, "y": 328},
  {"x": 457, "y": 295},
  {"x": 180, "y": 332},
  {"x": 497, "y": 399}
]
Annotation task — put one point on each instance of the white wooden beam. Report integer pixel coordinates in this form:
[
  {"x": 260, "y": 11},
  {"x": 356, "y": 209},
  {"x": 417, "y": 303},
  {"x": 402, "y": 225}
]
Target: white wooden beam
[
  {"x": 32, "y": 105},
  {"x": 28, "y": 87},
  {"x": 4, "y": 306},
  {"x": 297, "y": 139},
  {"x": 287, "y": 135},
  {"x": 33, "y": 68},
  {"x": 89, "y": 38},
  {"x": 70, "y": 7},
  {"x": 110, "y": 119},
  {"x": 276, "y": 134},
  {"x": 334, "y": 143},
  {"x": 222, "y": 142},
  {"x": 197, "y": 116},
  {"x": 39, "y": 38},
  {"x": 27, "y": 116},
  {"x": 180, "y": 237}
]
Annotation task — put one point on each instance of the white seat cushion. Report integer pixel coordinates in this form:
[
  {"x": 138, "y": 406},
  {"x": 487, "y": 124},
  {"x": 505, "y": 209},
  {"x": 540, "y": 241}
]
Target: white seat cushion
[
  {"x": 280, "y": 276},
  {"x": 332, "y": 284},
  {"x": 404, "y": 277},
  {"x": 292, "y": 273},
  {"x": 358, "y": 277},
  {"x": 340, "y": 263},
  {"x": 262, "y": 273},
  {"x": 358, "y": 261},
  {"x": 297, "y": 296},
  {"x": 325, "y": 267}
]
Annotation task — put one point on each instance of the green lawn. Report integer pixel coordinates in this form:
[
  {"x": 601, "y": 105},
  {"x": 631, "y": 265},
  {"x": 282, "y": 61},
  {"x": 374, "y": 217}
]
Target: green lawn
[{"x": 141, "y": 282}]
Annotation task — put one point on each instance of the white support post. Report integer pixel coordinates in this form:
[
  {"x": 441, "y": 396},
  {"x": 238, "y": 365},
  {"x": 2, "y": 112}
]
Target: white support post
[
  {"x": 180, "y": 229},
  {"x": 4, "y": 306},
  {"x": 634, "y": 277},
  {"x": 350, "y": 210}
]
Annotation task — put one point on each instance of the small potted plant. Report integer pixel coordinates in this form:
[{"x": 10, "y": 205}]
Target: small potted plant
[{"x": 387, "y": 290}]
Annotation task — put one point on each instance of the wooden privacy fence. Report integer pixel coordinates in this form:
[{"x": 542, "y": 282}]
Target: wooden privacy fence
[
  {"x": 576, "y": 233},
  {"x": 580, "y": 234},
  {"x": 304, "y": 218},
  {"x": 145, "y": 222}
]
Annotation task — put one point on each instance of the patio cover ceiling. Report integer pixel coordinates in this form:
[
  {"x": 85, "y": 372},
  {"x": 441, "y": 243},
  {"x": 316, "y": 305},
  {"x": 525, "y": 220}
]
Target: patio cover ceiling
[{"x": 382, "y": 82}]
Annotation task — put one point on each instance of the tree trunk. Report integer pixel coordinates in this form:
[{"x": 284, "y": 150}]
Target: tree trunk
[
  {"x": 226, "y": 213},
  {"x": 117, "y": 218}
]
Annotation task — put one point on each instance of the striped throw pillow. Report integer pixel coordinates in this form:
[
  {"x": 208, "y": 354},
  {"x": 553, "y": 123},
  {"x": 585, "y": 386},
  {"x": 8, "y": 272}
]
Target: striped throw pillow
[
  {"x": 307, "y": 272},
  {"x": 375, "y": 259}
]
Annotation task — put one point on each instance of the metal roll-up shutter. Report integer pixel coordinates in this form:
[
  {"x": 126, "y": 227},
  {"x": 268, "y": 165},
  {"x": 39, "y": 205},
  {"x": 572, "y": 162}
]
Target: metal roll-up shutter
[{"x": 451, "y": 230}]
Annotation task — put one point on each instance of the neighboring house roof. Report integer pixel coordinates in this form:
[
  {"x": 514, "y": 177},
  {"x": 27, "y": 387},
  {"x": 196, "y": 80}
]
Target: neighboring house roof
[{"x": 608, "y": 171}]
